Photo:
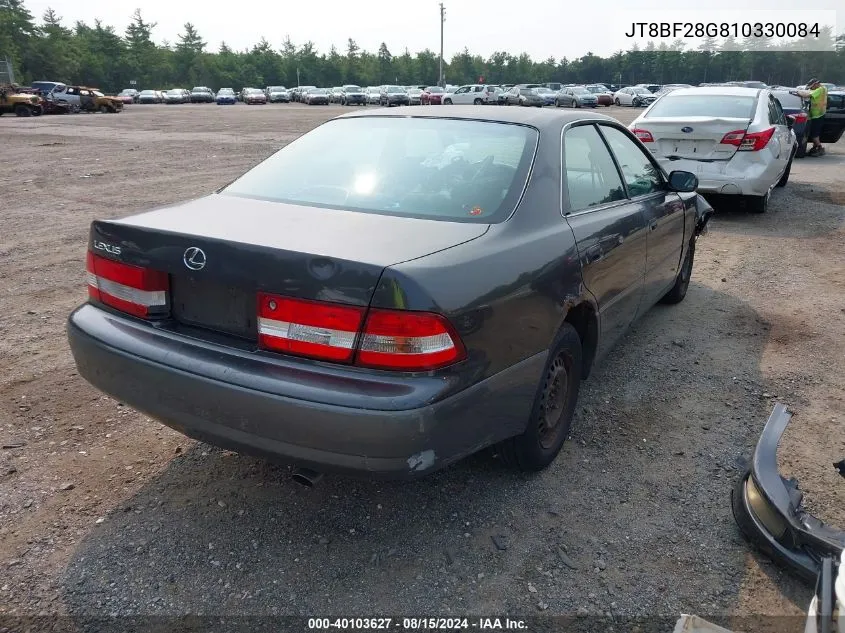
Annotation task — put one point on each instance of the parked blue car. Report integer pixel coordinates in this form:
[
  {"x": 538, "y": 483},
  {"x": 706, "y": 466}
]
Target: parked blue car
[
  {"x": 226, "y": 96},
  {"x": 794, "y": 105}
]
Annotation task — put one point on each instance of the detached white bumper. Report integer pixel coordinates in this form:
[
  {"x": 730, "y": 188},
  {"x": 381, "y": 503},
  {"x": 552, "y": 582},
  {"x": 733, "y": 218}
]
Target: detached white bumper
[{"x": 745, "y": 174}]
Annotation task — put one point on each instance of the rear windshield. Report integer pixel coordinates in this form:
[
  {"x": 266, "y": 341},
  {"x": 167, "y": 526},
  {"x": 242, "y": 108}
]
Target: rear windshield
[
  {"x": 788, "y": 101},
  {"x": 443, "y": 169},
  {"x": 736, "y": 107},
  {"x": 435, "y": 89}
]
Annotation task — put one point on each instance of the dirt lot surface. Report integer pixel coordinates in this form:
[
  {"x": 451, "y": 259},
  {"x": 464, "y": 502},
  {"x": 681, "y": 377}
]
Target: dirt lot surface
[{"x": 103, "y": 511}]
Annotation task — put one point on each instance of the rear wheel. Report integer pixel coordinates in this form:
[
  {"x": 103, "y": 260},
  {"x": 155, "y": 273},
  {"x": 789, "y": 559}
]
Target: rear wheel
[
  {"x": 758, "y": 204},
  {"x": 785, "y": 177},
  {"x": 22, "y": 110},
  {"x": 802, "y": 145},
  {"x": 679, "y": 290},
  {"x": 553, "y": 409},
  {"x": 477, "y": 101},
  {"x": 447, "y": 101}
]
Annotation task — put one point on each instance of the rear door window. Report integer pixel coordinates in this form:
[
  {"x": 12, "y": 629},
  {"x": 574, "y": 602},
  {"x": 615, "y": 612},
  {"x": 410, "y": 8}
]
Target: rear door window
[
  {"x": 641, "y": 175},
  {"x": 589, "y": 171}
]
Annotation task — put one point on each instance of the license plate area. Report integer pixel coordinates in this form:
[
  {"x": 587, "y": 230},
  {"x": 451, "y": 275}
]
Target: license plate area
[{"x": 218, "y": 307}]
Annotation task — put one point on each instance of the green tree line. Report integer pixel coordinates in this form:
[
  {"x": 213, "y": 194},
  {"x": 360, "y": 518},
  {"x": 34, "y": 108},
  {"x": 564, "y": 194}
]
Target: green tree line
[{"x": 98, "y": 55}]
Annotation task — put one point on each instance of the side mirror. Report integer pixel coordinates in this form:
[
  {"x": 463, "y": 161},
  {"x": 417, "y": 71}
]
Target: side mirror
[
  {"x": 683, "y": 181},
  {"x": 790, "y": 120}
]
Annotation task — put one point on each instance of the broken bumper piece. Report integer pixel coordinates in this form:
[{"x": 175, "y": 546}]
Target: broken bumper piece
[{"x": 768, "y": 509}]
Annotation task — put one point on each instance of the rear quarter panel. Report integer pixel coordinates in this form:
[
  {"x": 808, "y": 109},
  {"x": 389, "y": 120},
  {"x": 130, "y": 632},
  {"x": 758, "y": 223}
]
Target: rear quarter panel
[{"x": 507, "y": 292}]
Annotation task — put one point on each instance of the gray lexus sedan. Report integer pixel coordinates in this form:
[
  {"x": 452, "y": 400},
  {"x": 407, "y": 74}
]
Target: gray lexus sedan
[{"x": 389, "y": 312}]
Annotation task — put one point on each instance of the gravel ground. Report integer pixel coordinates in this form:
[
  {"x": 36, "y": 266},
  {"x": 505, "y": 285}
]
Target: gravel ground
[{"x": 104, "y": 512}]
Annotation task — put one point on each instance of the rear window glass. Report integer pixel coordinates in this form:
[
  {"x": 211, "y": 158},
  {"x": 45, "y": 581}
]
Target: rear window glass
[
  {"x": 736, "y": 107},
  {"x": 446, "y": 169},
  {"x": 788, "y": 101}
]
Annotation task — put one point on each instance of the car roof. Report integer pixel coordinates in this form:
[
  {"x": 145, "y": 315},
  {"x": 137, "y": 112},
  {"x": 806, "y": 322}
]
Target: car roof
[
  {"x": 730, "y": 91},
  {"x": 541, "y": 118}
]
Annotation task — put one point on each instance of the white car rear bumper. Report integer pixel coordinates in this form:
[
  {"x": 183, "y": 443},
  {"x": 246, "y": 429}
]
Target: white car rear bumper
[{"x": 745, "y": 174}]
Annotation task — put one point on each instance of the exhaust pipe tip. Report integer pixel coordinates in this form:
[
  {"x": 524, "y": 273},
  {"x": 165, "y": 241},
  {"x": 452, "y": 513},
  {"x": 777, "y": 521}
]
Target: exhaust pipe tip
[{"x": 306, "y": 477}]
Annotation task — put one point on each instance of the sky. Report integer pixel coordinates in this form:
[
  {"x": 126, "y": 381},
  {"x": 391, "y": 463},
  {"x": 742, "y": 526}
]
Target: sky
[{"x": 541, "y": 28}]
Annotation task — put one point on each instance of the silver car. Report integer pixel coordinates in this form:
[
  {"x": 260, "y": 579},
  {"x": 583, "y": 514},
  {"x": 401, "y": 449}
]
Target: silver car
[
  {"x": 738, "y": 141},
  {"x": 576, "y": 97}
]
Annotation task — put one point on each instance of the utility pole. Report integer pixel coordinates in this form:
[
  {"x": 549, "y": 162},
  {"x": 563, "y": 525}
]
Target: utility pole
[{"x": 442, "y": 83}]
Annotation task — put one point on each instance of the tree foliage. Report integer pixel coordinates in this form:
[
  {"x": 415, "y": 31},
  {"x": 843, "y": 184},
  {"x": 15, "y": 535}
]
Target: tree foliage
[{"x": 100, "y": 56}]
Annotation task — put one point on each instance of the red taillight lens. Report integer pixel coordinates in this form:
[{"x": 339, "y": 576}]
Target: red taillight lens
[
  {"x": 756, "y": 141},
  {"x": 308, "y": 328},
  {"x": 644, "y": 135},
  {"x": 799, "y": 117},
  {"x": 733, "y": 138},
  {"x": 401, "y": 340},
  {"x": 409, "y": 341},
  {"x": 132, "y": 289},
  {"x": 748, "y": 142}
]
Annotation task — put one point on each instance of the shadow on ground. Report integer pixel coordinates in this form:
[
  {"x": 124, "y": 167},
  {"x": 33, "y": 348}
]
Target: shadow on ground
[{"x": 633, "y": 519}]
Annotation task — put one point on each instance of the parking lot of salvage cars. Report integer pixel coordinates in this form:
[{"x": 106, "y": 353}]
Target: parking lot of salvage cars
[{"x": 105, "y": 511}]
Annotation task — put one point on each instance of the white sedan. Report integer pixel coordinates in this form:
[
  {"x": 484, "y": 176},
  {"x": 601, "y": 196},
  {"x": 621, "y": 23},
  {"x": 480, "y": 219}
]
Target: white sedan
[
  {"x": 738, "y": 141},
  {"x": 635, "y": 96}
]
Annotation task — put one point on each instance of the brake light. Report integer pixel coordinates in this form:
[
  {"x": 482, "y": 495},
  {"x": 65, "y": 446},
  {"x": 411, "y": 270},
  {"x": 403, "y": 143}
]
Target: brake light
[
  {"x": 401, "y": 340},
  {"x": 308, "y": 328},
  {"x": 756, "y": 141},
  {"x": 733, "y": 138},
  {"x": 644, "y": 135},
  {"x": 799, "y": 117},
  {"x": 411, "y": 341},
  {"x": 132, "y": 289},
  {"x": 748, "y": 142}
]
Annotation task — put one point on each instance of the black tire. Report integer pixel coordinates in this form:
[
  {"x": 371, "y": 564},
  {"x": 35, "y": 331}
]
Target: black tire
[
  {"x": 785, "y": 177},
  {"x": 557, "y": 103},
  {"x": 447, "y": 102},
  {"x": 477, "y": 101},
  {"x": 802, "y": 146},
  {"x": 22, "y": 110},
  {"x": 576, "y": 103},
  {"x": 635, "y": 103},
  {"x": 757, "y": 204},
  {"x": 543, "y": 438},
  {"x": 616, "y": 101},
  {"x": 679, "y": 290}
]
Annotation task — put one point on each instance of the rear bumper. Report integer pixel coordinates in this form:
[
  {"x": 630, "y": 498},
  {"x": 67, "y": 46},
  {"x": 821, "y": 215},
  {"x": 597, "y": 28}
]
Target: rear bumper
[
  {"x": 743, "y": 175},
  {"x": 337, "y": 418},
  {"x": 768, "y": 509}
]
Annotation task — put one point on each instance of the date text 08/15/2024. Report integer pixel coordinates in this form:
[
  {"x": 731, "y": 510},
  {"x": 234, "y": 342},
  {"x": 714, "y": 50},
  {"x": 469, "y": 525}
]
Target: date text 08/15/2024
[
  {"x": 416, "y": 624},
  {"x": 723, "y": 29}
]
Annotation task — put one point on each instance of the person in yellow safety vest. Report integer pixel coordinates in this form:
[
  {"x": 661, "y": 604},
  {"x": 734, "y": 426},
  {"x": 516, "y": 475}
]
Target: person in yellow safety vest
[{"x": 817, "y": 94}]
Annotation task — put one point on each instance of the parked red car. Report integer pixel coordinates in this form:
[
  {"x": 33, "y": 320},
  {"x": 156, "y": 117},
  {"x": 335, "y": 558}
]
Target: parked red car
[
  {"x": 433, "y": 95},
  {"x": 603, "y": 95}
]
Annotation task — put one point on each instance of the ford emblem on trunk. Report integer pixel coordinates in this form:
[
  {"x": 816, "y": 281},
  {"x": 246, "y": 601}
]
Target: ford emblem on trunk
[{"x": 686, "y": 130}]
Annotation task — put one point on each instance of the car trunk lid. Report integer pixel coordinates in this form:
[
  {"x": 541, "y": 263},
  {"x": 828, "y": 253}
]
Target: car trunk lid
[
  {"x": 221, "y": 251},
  {"x": 694, "y": 138}
]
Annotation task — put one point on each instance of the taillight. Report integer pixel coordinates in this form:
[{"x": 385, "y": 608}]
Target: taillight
[
  {"x": 308, "y": 328},
  {"x": 733, "y": 138},
  {"x": 799, "y": 117},
  {"x": 132, "y": 289},
  {"x": 644, "y": 135},
  {"x": 748, "y": 142},
  {"x": 400, "y": 340},
  {"x": 410, "y": 341}
]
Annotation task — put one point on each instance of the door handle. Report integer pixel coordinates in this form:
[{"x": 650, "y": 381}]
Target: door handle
[{"x": 652, "y": 225}]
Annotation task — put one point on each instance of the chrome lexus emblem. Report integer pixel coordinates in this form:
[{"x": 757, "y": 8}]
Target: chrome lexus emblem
[
  {"x": 687, "y": 129},
  {"x": 194, "y": 258}
]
